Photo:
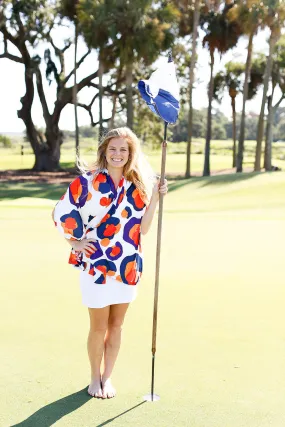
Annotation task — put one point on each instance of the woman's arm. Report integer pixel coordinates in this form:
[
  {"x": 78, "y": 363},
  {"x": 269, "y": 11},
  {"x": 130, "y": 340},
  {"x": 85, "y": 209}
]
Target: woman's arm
[
  {"x": 84, "y": 245},
  {"x": 149, "y": 213}
]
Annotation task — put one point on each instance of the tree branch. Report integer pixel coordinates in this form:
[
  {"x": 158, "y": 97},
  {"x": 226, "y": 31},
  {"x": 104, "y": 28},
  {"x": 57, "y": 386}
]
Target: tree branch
[
  {"x": 88, "y": 108},
  {"x": 42, "y": 96},
  {"x": 93, "y": 99},
  {"x": 107, "y": 89},
  {"x": 77, "y": 66},
  {"x": 279, "y": 102},
  {"x": 59, "y": 53},
  {"x": 5, "y": 44},
  {"x": 84, "y": 82},
  {"x": 17, "y": 41},
  {"x": 6, "y": 34},
  {"x": 12, "y": 57},
  {"x": 103, "y": 120}
]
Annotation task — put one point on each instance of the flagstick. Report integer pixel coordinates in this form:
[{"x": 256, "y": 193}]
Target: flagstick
[{"x": 153, "y": 397}]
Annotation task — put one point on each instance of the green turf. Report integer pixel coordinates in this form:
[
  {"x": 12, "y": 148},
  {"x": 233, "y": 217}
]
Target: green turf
[
  {"x": 221, "y": 155},
  {"x": 221, "y": 343}
]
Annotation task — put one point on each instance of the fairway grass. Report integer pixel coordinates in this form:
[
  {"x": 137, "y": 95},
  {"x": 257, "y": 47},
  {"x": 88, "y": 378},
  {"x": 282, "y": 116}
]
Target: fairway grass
[
  {"x": 220, "y": 159},
  {"x": 221, "y": 341}
]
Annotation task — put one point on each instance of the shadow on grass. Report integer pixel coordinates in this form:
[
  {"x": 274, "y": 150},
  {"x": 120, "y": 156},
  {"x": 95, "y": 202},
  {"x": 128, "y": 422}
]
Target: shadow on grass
[
  {"x": 51, "y": 413},
  {"x": 67, "y": 165},
  {"x": 117, "y": 416},
  {"x": 13, "y": 191},
  {"x": 211, "y": 180},
  {"x": 228, "y": 178}
]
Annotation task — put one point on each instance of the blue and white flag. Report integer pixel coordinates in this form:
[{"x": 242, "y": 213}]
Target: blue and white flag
[{"x": 161, "y": 92}]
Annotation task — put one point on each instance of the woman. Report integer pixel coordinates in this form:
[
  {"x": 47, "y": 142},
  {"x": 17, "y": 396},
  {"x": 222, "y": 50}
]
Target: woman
[{"x": 102, "y": 215}]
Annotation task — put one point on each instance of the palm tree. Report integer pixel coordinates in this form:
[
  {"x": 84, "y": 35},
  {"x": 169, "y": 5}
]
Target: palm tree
[
  {"x": 188, "y": 24},
  {"x": 274, "y": 16},
  {"x": 247, "y": 14},
  {"x": 230, "y": 79},
  {"x": 277, "y": 79},
  {"x": 130, "y": 31},
  {"x": 196, "y": 19},
  {"x": 221, "y": 35},
  {"x": 145, "y": 32},
  {"x": 100, "y": 75}
]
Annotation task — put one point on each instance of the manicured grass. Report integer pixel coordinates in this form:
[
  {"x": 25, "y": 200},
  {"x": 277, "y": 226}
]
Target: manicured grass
[
  {"x": 220, "y": 347},
  {"x": 221, "y": 155}
]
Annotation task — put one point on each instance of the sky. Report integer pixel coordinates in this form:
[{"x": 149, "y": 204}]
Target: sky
[{"x": 12, "y": 84}]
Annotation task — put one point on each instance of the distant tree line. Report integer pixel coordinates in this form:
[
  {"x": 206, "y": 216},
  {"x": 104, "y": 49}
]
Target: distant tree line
[
  {"x": 222, "y": 127},
  {"x": 84, "y": 132}
]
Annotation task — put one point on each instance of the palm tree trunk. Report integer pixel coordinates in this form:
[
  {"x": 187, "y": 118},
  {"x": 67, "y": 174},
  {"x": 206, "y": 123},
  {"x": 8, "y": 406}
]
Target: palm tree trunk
[
  {"x": 115, "y": 96},
  {"x": 129, "y": 95},
  {"x": 100, "y": 74},
  {"x": 260, "y": 126},
  {"x": 112, "y": 120},
  {"x": 245, "y": 95},
  {"x": 191, "y": 82},
  {"x": 75, "y": 94},
  {"x": 268, "y": 141},
  {"x": 206, "y": 171},
  {"x": 234, "y": 131},
  {"x": 269, "y": 129}
]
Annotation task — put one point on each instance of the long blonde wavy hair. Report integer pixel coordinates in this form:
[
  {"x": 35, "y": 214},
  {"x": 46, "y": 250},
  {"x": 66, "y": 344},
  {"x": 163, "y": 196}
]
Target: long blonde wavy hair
[{"x": 137, "y": 169}]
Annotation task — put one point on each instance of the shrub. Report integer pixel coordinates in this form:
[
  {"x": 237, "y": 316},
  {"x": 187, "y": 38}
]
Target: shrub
[{"x": 5, "y": 141}]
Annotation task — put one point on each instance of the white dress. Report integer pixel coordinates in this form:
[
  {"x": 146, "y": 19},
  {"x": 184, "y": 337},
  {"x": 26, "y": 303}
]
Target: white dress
[{"x": 95, "y": 295}]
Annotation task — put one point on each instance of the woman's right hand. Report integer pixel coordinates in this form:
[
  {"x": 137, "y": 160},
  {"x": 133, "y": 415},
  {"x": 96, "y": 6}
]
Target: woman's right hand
[{"x": 84, "y": 245}]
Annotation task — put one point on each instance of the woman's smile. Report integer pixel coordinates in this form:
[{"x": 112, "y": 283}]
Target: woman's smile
[{"x": 117, "y": 152}]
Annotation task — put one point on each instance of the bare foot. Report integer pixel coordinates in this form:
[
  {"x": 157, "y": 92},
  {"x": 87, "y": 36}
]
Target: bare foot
[
  {"x": 95, "y": 388},
  {"x": 108, "y": 390}
]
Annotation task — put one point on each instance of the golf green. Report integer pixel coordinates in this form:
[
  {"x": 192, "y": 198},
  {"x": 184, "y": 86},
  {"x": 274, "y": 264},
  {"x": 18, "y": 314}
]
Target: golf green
[{"x": 221, "y": 341}]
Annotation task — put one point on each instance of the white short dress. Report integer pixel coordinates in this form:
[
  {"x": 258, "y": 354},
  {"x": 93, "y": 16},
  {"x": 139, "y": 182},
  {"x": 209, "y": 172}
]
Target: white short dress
[{"x": 95, "y": 295}]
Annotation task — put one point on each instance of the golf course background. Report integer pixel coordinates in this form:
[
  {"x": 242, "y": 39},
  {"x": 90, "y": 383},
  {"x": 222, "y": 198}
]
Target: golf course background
[{"x": 221, "y": 340}]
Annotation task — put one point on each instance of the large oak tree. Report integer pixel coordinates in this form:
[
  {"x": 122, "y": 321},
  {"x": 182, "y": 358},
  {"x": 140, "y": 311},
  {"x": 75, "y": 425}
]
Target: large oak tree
[{"x": 24, "y": 25}]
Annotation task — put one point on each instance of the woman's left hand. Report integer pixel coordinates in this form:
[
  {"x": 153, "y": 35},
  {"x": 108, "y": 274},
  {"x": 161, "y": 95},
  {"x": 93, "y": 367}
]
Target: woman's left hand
[{"x": 159, "y": 189}]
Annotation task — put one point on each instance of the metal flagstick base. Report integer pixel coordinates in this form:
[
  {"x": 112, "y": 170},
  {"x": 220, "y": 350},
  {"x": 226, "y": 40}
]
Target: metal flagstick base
[{"x": 152, "y": 397}]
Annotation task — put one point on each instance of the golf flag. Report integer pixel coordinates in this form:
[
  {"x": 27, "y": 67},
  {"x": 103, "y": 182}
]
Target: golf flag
[{"x": 161, "y": 92}]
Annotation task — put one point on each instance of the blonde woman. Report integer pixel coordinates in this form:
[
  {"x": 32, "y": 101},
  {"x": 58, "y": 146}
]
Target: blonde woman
[{"x": 102, "y": 215}]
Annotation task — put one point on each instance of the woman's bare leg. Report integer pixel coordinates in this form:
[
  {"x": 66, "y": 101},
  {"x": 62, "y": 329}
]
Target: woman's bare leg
[
  {"x": 112, "y": 346},
  {"x": 95, "y": 345}
]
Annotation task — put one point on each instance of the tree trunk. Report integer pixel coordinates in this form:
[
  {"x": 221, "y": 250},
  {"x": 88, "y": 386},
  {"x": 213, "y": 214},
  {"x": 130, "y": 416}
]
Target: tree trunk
[
  {"x": 245, "y": 95},
  {"x": 191, "y": 82},
  {"x": 206, "y": 171},
  {"x": 129, "y": 95},
  {"x": 75, "y": 94},
  {"x": 45, "y": 159},
  {"x": 234, "y": 131},
  {"x": 25, "y": 113},
  {"x": 269, "y": 131},
  {"x": 260, "y": 126},
  {"x": 112, "y": 120},
  {"x": 268, "y": 141},
  {"x": 115, "y": 96},
  {"x": 101, "y": 72}
]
